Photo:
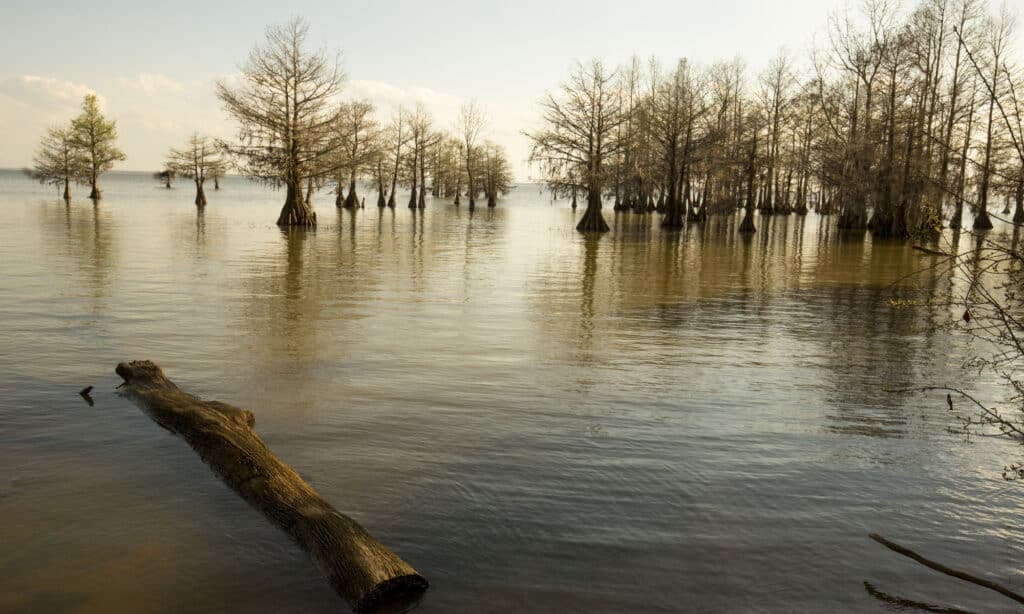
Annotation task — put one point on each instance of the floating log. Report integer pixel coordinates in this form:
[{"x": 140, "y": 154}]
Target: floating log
[{"x": 359, "y": 568}]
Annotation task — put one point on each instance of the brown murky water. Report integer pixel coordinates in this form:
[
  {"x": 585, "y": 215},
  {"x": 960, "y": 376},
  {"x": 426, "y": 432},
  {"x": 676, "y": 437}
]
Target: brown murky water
[{"x": 648, "y": 422}]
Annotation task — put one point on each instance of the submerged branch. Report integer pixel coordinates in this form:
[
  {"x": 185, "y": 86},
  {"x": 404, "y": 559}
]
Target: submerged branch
[
  {"x": 903, "y": 603},
  {"x": 949, "y": 571}
]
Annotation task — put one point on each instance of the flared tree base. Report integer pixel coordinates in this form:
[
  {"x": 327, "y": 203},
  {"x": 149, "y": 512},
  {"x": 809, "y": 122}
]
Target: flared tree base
[
  {"x": 982, "y": 222},
  {"x": 852, "y": 221},
  {"x": 352, "y": 200},
  {"x": 297, "y": 212},
  {"x": 592, "y": 221},
  {"x": 674, "y": 217},
  {"x": 747, "y": 225}
]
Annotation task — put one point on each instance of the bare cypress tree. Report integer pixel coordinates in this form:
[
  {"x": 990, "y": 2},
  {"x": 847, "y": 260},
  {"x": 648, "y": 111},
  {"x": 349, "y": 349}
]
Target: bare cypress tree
[
  {"x": 471, "y": 125},
  {"x": 776, "y": 83},
  {"x": 579, "y": 131},
  {"x": 94, "y": 136},
  {"x": 421, "y": 138},
  {"x": 285, "y": 110},
  {"x": 379, "y": 176},
  {"x": 397, "y": 138},
  {"x": 496, "y": 172},
  {"x": 217, "y": 173},
  {"x": 198, "y": 160},
  {"x": 747, "y": 225},
  {"x": 58, "y": 162},
  {"x": 357, "y": 134},
  {"x": 997, "y": 38},
  {"x": 167, "y": 175}
]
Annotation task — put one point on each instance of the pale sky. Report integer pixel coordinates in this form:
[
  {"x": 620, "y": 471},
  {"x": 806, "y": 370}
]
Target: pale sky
[{"x": 154, "y": 64}]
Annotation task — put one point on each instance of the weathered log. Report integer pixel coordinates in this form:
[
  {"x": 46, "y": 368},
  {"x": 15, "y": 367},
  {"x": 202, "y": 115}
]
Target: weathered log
[{"x": 359, "y": 568}]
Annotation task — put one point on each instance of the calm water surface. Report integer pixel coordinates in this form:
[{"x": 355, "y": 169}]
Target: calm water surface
[{"x": 538, "y": 422}]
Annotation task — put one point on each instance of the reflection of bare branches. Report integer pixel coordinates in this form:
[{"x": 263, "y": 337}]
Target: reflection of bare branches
[
  {"x": 901, "y": 602},
  {"x": 590, "y": 244},
  {"x": 949, "y": 571}
]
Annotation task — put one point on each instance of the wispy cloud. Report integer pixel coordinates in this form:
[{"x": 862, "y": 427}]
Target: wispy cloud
[
  {"x": 45, "y": 93},
  {"x": 152, "y": 84},
  {"x": 387, "y": 95}
]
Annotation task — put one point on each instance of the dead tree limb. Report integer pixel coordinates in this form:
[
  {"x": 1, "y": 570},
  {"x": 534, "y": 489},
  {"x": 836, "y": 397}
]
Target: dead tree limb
[
  {"x": 907, "y": 552},
  {"x": 359, "y": 568},
  {"x": 928, "y": 250},
  {"x": 909, "y": 604}
]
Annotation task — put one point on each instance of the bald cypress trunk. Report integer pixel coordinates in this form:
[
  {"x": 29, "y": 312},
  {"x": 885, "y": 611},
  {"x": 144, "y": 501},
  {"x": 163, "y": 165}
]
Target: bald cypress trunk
[
  {"x": 351, "y": 200},
  {"x": 747, "y": 225},
  {"x": 381, "y": 202},
  {"x": 592, "y": 220},
  {"x": 296, "y": 210},
  {"x": 422, "y": 202},
  {"x": 981, "y": 220},
  {"x": 674, "y": 217},
  {"x": 200, "y": 194},
  {"x": 95, "y": 193},
  {"x": 67, "y": 189},
  {"x": 1018, "y": 214}
]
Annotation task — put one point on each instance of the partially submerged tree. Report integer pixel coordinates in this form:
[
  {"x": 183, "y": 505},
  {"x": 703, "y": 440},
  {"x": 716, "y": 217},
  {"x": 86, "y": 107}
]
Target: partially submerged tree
[
  {"x": 580, "y": 126},
  {"x": 94, "y": 136},
  {"x": 358, "y": 134},
  {"x": 397, "y": 136},
  {"x": 495, "y": 171},
  {"x": 285, "y": 110},
  {"x": 421, "y": 138},
  {"x": 471, "y": 125},
  {"x": 997, "y": 39},
  {"x": 57, "y": 162},
  {"x": 166, "y": 176},
  {"x": 217, "y": 172},
  {"x": 197, "y": 161}
]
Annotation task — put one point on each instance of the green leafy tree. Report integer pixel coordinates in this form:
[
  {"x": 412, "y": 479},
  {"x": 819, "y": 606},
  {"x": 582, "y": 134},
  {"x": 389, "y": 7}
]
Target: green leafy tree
[
  {"x": 94, "y": 137},
  {"x": 58, "y": 162}
]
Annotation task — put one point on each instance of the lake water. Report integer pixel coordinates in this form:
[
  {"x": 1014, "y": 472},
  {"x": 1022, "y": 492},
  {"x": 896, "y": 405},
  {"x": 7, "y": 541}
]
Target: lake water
[{"x": 538, "y": 422}]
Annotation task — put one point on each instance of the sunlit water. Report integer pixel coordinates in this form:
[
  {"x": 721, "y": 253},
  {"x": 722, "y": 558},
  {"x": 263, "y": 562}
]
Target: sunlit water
[{"x": 649, "y": 422}]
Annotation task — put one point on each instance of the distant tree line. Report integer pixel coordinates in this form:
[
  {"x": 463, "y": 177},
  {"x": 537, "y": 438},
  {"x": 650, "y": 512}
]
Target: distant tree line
[
  {"x": 892, "y": 126},
  {"x": 294, "y": 133}
]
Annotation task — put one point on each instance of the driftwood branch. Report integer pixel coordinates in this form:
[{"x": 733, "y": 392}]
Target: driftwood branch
[
  {"x": 909, "y": 604},
  {"x": 949, "y": 571},
  {"x": 359, "y": 568}
]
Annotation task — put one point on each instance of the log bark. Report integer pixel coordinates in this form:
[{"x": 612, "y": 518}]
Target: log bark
[{"x": 359, "y": 568}]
